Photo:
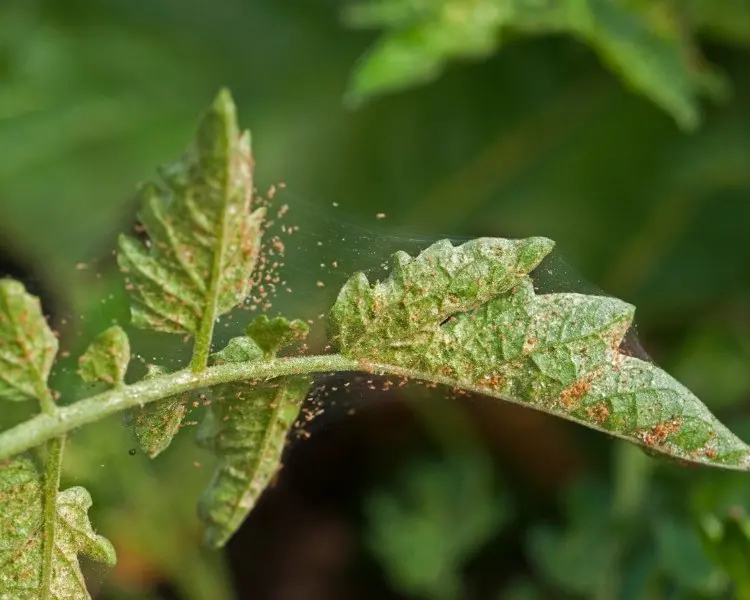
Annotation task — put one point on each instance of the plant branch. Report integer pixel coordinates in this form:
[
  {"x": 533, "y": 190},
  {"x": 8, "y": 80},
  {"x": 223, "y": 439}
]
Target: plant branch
[
  {"x": 43, "y": 427},
  {"x": 46, "y": 401}
]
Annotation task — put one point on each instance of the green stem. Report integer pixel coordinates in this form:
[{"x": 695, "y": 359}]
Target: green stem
[
  {"x": 46, "y": 401},
  {"x": 48, "y": 404},
  {"x": 51, "y": 486},
  {"x": 43, "y": 427},
  {"x": 202, "y": 346}
]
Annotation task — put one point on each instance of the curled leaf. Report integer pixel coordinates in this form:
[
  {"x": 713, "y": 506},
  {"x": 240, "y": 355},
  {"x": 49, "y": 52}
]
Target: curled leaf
[
  {"x": 204, "y": 240},
  {"x": 246, "y": 427},
  {"x": 456, "y": 316},
  {"x": 155, "y": 424},
  {"x": 422, "y": 292},
  {"x": 22, "y": 541},
  {"x": 107, "y": 357},
  {"x": 27, "y": 345}
]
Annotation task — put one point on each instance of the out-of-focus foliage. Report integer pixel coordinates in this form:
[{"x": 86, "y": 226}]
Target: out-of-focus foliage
[
  {"x": 536, "y": 139},
  {"x": 437, "y": 515},
  {"x": 649, "y": 44}
]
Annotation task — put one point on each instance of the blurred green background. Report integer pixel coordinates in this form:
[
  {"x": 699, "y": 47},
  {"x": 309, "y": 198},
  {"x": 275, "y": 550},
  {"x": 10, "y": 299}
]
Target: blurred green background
[{"x": 591, "y": 132}]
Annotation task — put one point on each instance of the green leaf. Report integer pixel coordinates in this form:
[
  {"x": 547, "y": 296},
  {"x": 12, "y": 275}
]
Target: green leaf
[
  {"x": 27, "y": 345},
  {"x": 246, "y": 427},
  {"x": 22, "y": 519},
  {"x": 239, "y": 349},
  {"x": 720, "y": 505},
  {"x": 646, "y": 44},
  {"x": 469, "y": 317},
  {"x": 204, "y": 240},
  {"x": 581, "y": 557},
  {"x": 405, "y": 311},
  {"x": 107, "y": 357},
  {"x": 155, "y": 424},
  {"x": 682, "y": 557},
  {"x": 273, "y": 334}
]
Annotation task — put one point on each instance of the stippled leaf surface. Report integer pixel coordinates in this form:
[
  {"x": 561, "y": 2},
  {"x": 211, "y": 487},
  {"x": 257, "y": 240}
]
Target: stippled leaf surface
[
  {"x": 273, "y": 334},
  {"x": 21, "y": 535},
  {"x": 646, "y": 43},
  {"x": 203, "y": 237},
  {"x": 469, "y": 316},
  {"x": 246, "y": 427},
  {"x": 155, "y": 425},
  {"x": 107, "y": 357},
  {"x": 27, "y": 345}
]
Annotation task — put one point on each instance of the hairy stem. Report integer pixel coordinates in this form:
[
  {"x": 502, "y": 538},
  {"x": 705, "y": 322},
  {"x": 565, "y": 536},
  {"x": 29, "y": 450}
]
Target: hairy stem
[
  {"x": 43, "y": 427},
  {"x": 48, "y": 404},
  {"x": 52, "y": 470}
]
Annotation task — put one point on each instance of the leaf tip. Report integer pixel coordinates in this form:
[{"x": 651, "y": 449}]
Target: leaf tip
[
  {"x": 224, "y": 104},
  {"x": 532, "y": 251},
  {"x": 214, "y": 538}
]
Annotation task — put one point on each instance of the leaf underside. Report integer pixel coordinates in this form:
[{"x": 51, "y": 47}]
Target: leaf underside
[
  {"x": 468, "y": 316},
  {"x": 649, "y": 47},
  {"x": 27, "y": 345},
  {"x": 246, "y": 427},
  {"x": 203, "y": 239},
  {"x": 155, "y": 424},
  {"x": 21, "y": 535},
  {"x": 248, "y": 431}
]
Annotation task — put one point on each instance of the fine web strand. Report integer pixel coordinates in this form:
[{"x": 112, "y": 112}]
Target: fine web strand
[{"x": 323, "y": 247}]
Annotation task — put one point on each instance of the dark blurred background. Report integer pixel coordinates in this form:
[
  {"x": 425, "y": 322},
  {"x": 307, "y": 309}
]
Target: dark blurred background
[{"x": 408, "y": 494}]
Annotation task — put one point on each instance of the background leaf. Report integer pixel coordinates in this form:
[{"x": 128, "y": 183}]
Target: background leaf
[
  {"x": 646, "y": 45},
  {"x": 27, "y": 345},
  {"x": 582, "y": 559},
  {"x": 426, "y": 529}
]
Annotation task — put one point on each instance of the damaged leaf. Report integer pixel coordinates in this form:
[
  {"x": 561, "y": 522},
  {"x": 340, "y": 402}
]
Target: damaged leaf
[{"x": 468, "y": 316}]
